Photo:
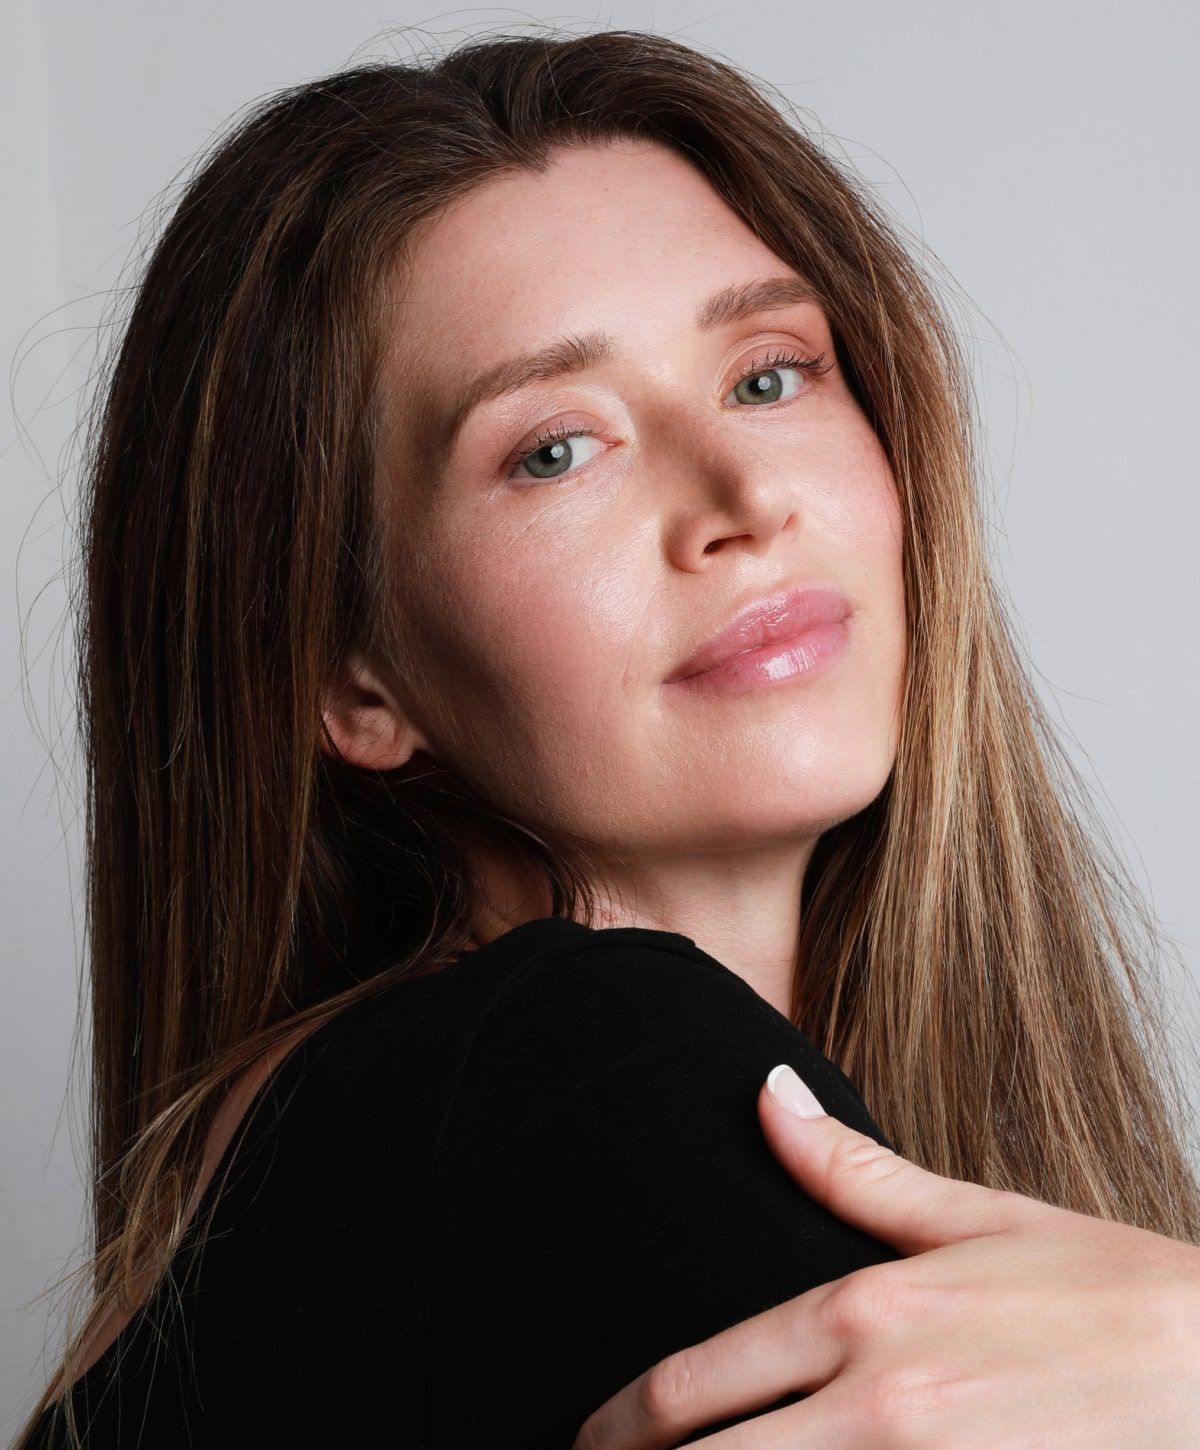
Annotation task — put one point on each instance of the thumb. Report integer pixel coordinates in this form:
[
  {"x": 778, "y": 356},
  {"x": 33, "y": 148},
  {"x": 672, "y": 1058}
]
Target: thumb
[{"x": 867, "y": 1184}]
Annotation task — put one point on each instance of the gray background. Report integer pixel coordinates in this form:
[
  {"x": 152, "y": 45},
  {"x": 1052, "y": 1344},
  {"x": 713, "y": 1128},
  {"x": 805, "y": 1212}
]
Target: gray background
[{"x": 1044, "y": 153}]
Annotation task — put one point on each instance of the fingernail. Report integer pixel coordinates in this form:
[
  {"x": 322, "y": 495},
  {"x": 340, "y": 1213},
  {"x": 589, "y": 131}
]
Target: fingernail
[{"x": 790, "y": 1092}]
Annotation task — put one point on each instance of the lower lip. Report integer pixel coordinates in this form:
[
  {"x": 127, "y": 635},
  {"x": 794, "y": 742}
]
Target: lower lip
[{"x": 782, "y": 662}]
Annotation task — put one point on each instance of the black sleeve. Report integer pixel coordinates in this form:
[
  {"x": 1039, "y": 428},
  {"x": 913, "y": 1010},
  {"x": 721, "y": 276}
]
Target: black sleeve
[{"x": 603, "y": 1194}]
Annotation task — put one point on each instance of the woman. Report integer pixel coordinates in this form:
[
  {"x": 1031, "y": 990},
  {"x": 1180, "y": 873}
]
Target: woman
[{"x": 540, "y": 671}]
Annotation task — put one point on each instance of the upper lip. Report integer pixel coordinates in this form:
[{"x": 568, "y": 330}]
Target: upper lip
[{"x": 766, "y": 619}]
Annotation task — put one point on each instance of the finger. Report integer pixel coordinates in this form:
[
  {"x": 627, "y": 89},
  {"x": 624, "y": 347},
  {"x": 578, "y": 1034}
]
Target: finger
[
  {"x": 842, "y": 1415},
  {"x": 744, "y": 1368},
  {"x": 868, "y": 1185}
]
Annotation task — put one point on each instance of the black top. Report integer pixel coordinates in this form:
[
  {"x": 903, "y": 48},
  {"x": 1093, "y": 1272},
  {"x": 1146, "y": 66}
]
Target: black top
[{"x": 471, "y": 1208}]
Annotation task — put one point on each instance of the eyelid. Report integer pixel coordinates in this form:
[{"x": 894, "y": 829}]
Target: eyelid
[
  {"x": 544, "y": 433},
  {"x": 764, "y": 358}
]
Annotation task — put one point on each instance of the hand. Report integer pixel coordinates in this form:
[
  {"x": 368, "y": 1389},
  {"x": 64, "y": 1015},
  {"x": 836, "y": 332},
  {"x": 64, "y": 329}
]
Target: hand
[{"x": 1010, "y": 1322}]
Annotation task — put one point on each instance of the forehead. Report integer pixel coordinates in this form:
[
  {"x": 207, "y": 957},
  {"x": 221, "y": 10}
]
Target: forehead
[{"x": 625, "y": 238}]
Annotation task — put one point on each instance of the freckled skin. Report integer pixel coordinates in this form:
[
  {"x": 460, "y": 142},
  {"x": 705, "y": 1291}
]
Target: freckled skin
[{"x": 540, "y": 616}]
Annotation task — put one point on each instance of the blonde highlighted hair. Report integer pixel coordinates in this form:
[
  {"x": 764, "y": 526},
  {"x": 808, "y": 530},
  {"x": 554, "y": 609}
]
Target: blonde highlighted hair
[{"x": 971, "y": 953}]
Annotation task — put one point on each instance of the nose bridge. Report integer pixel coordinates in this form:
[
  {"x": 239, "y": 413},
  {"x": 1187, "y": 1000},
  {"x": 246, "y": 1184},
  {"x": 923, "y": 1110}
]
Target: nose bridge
[{"x": 712, "y": 464}]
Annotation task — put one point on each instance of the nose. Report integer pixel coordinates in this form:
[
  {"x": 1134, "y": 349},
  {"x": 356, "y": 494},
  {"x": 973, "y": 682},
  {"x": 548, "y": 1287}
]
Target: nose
[{"x": 728, "y": 489}]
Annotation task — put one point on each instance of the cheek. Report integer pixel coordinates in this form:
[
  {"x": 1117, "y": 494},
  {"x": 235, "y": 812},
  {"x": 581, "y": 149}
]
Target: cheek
[
  {"x": 878, "y": 544},
  {"x": 851, "y": 490},
  {"x": 861, "y": 510},
  {"x": 860, "y": 513},
  {"x": 540, "y": 623},
  {"x": 528, "y": 649}
]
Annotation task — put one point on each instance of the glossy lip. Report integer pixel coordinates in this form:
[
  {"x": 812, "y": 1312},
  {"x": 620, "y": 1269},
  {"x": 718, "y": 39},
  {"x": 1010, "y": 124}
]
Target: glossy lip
[{"x": 774, "y": 619}]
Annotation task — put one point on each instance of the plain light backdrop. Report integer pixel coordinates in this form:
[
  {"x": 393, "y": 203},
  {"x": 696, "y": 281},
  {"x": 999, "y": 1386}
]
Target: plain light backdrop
[{"x": 1042, "y": 155}]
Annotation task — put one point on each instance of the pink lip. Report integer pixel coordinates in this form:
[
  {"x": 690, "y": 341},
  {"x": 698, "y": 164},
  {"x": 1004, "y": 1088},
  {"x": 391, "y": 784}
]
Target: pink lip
[{"x": 773, "y": 638}]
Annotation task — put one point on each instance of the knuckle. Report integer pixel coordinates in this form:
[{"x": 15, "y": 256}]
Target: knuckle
[
  {"x": 851, "y": 1160},
  {"x": 668, "y": 1389},
  {"x": 859, "y": 1304},
  {"x": 846, "y": 1309}
]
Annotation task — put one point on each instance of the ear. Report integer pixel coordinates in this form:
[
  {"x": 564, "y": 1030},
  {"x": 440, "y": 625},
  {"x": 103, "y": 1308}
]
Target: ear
[{"x": 366, "y": 721}]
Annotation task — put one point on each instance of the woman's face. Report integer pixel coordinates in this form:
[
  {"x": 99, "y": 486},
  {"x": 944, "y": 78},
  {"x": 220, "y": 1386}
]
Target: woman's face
[{"x": 547, "y": 594}]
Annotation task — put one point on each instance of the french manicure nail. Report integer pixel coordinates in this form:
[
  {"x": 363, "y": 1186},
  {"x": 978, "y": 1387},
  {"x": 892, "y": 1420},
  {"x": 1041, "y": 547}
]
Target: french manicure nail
[{"x": 790, "y": 1092}]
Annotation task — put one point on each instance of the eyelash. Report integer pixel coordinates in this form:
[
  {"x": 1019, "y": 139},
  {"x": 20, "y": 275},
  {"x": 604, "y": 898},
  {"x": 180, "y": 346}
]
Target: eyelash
[{"x": 812, "y": 366}]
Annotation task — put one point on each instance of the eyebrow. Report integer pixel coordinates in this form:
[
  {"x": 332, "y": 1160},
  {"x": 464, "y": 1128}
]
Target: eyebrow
[{"x": 566, "y": 355}]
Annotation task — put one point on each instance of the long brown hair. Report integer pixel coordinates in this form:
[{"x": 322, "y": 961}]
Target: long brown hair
[{"x": 971, "y": 954}]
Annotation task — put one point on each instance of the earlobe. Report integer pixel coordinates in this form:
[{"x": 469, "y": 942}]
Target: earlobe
[{"x": 365, "y": 723}]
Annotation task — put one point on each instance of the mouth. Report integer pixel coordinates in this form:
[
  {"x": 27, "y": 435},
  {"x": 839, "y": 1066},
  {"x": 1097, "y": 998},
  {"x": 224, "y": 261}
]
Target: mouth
[{"x": 786, "y": 619}]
